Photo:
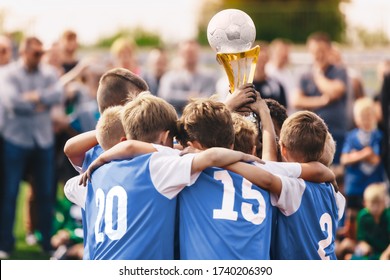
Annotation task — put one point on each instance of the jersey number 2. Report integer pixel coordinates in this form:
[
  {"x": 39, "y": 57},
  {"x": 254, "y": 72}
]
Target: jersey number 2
[
  {"x": 322, "y": 244},
  {"x": 106, "y": 203},
  {"x": 227, "y": 210}
]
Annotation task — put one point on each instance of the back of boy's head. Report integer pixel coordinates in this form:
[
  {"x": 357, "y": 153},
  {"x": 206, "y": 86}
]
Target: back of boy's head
[
  {"x": 207, "y": 121},
  {"x": 146, "y": 116},
  {"x": 117, "y": 86},
  {"x": 303, "y": 134},
  {"x": 245, "y": 134},
  {"x": 109, "y": 129},
  {"x": 329, "y": 150}
]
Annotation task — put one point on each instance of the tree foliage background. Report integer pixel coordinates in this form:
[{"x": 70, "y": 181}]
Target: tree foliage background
[{"x": 290, "y": 19}]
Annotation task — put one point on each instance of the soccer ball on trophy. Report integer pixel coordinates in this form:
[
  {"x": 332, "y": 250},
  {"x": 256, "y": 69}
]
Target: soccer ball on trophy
[
  {"x": 231, "y": 34},
  {"x": 231, "y": 31}
]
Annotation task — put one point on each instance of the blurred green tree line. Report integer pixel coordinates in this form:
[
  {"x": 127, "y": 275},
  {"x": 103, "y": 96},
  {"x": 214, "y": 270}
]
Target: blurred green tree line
[{"x": 290, "y": 19}]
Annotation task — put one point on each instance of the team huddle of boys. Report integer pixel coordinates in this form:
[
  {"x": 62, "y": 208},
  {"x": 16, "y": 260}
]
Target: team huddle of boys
[{"x": 145, "y": 199}]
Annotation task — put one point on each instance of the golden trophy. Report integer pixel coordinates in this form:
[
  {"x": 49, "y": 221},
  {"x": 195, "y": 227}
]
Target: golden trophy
[{"x": 231, "y": 34}]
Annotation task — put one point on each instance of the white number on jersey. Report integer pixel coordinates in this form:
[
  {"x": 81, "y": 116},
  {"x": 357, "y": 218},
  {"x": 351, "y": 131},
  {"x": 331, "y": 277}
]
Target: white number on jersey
[
  {"x": 227, "y": 210},
  {"x": 322, "y": 244},
  {"x": 105, "y": 206}
]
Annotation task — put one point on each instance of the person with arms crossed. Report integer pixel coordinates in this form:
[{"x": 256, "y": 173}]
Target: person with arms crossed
[
  {"x": 31, "y": 90},
  {"x": 323, "y": 90}
]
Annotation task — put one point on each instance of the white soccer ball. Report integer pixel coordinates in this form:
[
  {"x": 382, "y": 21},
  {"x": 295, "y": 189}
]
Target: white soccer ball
[{"x": 231, "y": 31}]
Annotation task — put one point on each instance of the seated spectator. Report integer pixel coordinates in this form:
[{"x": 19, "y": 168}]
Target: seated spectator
[{"x": 373, "y": 225}]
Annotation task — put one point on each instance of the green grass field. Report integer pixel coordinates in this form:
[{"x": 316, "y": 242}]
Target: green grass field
[{"x": 23, "y": 251}]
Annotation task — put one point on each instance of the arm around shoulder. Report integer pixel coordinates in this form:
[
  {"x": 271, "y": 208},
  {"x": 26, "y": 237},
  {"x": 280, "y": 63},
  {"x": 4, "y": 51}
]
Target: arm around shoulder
[{"x": 76, "y": 147}]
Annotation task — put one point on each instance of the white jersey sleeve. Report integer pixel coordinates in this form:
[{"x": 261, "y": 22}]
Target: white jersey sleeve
[
  {"x": 171, "y": 173},
  {"x": 289, "y": 169},
  {"x": 74, "y": 192},
  {"x": 340, "y": 202},
  {"x": 79, "y": 169},
  {"x": 166, "y": 150},
  {"x": 290, "y": 197}
]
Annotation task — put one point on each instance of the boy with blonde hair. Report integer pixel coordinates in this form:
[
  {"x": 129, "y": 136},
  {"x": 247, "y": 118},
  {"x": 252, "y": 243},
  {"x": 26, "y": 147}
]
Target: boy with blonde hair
[
  {"x": 361, "y": 157},
  {"x": 373, "y": 225},
  {"x": 109, "y": 132},
  {"x": 109, "y": 128},
  {"x": 245, "y": 134}
]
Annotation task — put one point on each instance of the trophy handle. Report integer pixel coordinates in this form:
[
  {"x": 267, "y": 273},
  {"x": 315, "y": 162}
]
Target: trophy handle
[{"x": 239, "y": 67}]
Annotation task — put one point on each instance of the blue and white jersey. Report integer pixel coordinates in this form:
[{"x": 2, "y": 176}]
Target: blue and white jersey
[
  {"x": 224, "y": 216},
  {"x": 307, "y": 220},
  {"x": 131, "y": 204}
]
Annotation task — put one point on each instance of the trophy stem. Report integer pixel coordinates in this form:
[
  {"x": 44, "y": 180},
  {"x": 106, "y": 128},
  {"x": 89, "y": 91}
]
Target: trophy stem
[{"x": 239, "y": 67}]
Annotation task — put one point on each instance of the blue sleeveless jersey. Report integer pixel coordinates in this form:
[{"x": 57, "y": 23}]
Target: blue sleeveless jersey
[
  {"x": 90, "y": 156},
  {"x": 307, "y": 221},
  {"x": 127, "y": 217},
  {"x": 223, "y": 216}
]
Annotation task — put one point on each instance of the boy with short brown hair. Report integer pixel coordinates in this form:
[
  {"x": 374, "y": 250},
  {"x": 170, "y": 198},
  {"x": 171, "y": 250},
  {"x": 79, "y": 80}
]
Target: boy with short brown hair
[{"x": 308, "y": 212}]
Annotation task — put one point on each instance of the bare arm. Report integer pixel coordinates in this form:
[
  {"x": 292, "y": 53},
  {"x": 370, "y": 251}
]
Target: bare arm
[
  {"x": 385, "y": 254},
  {"x": 123, "y": 150},
  {"x": 257, "y": 176},
  {"x": 313, "y": 171},
  {"x": 365, "y": 154},
  {"x": 76, "y": 147},
  {"x": 260, "y": 108},
  {"x": 316, "y": 172},
  {"x": 333, "y": 89},
  {"x": 219, "y": 157},
  {"x": 301, "y": 101}
]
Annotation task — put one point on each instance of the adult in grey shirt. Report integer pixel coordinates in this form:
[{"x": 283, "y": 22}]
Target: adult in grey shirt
[
  {"x": 186, "y": 81},
  {"x": 30, "y": 90}
]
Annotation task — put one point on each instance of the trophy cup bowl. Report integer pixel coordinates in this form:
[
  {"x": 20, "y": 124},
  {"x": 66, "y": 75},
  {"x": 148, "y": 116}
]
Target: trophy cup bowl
[{"x": 231, "y": 33}]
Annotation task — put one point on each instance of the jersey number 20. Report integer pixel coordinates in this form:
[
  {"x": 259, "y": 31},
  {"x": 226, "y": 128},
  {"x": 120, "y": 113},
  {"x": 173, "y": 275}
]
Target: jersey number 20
[{"x": 106, "y": 203}]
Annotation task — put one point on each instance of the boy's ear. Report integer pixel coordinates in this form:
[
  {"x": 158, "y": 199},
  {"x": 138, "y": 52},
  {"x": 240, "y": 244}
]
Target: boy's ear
[
  {"x": 123, "y": 138},
  {"x": 164, "y": 138},
  {"x": 283, "y": 151},
  {"x": 195, "y": 144},
  {"x": 254, "y": 150}
]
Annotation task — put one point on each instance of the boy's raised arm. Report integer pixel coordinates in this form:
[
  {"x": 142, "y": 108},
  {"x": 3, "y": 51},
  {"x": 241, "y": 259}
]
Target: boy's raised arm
[
  {"x": 260, "y": 108},
  {"x": 76, "y": 147}
]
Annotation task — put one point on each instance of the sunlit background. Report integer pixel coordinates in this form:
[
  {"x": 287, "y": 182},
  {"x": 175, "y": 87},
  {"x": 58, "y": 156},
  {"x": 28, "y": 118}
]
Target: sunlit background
[
  {"x": 362, "y": 27},
  {"x": 173, "y": 20}
]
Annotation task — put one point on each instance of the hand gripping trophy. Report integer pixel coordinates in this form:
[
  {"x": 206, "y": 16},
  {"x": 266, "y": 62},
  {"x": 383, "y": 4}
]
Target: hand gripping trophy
[{"x": 231, "y": 34}]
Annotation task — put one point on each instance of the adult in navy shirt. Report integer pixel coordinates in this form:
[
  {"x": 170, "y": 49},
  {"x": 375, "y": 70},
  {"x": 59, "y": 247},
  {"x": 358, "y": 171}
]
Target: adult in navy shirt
[
  {"x": 267, "y": 86},
  {"x": 322, "y": 89}
]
